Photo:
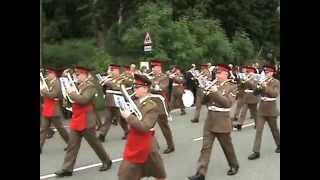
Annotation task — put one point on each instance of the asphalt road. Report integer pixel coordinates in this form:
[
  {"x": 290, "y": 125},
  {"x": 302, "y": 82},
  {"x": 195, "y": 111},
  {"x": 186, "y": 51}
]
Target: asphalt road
[{"x": 180, "y": 164}]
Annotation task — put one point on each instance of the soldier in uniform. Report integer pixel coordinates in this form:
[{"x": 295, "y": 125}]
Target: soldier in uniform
[
  {"x": 51, "y": 111},
  {"x": 141, "y": 156},
  {"x": 83, "y": 124},
  {"x": 218, "y": 124},
  {"x": 249, "y": 100},
  {"x": 160, "y": 85},
  {"x": 239, "y": 98},
  {"x": 267, "y": 111},
  {"x": 112, "y": 110},
  {"x": 177, "y": 90},
  {"x": 199, "y": 102}
]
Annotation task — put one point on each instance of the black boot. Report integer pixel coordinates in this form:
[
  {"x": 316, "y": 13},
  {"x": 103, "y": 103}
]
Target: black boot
[
  {"x": 197, "y": 177},
  {"x": 278, "y": 149},
  {"x": 233, "y": 170},
  {"x": 196, "y": 120},
  {"x": 254, "y": 155},
  {"x": 62, "y": 173},
  {"x": 105, "y": 166},
  {"x": 102, "y": 138},
  {"x": 168, "y": 150}
]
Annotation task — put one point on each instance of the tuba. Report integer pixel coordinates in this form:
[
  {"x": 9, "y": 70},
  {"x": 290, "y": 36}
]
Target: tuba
[{"x": 130, "y": 104}]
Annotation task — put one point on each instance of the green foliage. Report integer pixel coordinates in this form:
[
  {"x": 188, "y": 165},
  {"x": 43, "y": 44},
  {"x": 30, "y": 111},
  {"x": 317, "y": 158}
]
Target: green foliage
[
  {"x": 72, "y": 52},
  {"x": 243, "y": 48}
]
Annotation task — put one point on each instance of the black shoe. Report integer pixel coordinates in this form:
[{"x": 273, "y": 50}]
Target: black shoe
[
  {"x": 233, "y": 171},
  {"x": 238, "y": 126},
  {"x": 168, "y": 150},
  {"x": 254, "y": 155},
  {"x": 114, "y": 122},
  {"x": 50, "y": 134},
  {"x": 62, "y": 173},
  {"x": 102, "y": 138},
  {"x": 183, "y": 113},
  {"x": 197, "y": 177},
  {"x": 195, "y": 120},
  {"x": 105, "y": 166},
  {"x": 125, "y": 136},
  {"x": 278, "y": 149}
]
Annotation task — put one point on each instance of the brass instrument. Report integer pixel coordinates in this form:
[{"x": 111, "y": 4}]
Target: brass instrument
[
  {"x": 43, "y": 83},
  {"x": 130, "y": 105},
  {"x": 209, "y": 85},
  {"x": 103, "y": 80}
]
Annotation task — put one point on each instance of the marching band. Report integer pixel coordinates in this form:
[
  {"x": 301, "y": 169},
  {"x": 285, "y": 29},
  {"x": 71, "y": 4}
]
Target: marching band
[{"x": 138, "y": 99}]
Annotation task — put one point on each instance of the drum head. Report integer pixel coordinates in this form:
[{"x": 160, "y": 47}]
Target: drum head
[{"x": 187, "y": 98}]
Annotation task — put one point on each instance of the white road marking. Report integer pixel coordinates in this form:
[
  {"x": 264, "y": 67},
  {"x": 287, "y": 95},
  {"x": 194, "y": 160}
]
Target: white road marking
[
  {"x": 244, "y": 126},
  {"x": 80, "y": 168}
]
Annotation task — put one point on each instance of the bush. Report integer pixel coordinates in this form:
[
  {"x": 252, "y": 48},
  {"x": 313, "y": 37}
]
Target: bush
[{"x": 71, "y": 52}]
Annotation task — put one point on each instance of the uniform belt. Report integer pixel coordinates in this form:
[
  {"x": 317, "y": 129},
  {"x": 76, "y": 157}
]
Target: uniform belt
[
  {"x": 175, "y": 84},
  {"x": 268, "y": 99},
  {"x": 215, "y": 108},
  {"x": 56, "y": 99},
  {"x": 248, "y": 91}
]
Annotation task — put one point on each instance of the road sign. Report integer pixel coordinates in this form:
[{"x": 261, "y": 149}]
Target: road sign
[
  {"x": 147, "y": 39},
  {"x": 147, "y": 48}
]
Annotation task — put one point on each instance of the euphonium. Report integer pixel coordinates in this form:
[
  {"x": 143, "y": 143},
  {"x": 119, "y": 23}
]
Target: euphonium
[
  {"x": 43, "y": 83},
  {"x": 131, "y": 105}
]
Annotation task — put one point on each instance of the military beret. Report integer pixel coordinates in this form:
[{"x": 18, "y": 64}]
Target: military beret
[
  {"x": 223, "y": 67},
  {"x": 141, "y": 80},
  {"x": 82, "y": 69},
  {"x": 57, "y": 71},
  {"x": 269, "y": 68}
]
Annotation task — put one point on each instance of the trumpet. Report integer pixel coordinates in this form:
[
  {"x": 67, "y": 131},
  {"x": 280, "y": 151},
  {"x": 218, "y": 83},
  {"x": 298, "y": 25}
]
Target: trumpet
[
  {"x": 131, "y": 105},
  {"x": 43, "y": 83},
  {"x": 150, "y": 75}
]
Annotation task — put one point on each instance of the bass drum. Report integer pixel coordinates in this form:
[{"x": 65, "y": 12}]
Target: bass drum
[{"x": 187, "y": 98}]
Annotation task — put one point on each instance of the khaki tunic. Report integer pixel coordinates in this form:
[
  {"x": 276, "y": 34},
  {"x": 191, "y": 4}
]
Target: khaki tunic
[
  {"x": 54, "y": 92},
  {"x": 87, "y": 91},
  {"x": 268, "y": 112},
  {"x": 200, "y": 95},
  {"x": 177, "y": 91},
  {"x": 154, "y": 165},
  {"x": 163, "y": 122},
  {"x": 218, "y": 125}
]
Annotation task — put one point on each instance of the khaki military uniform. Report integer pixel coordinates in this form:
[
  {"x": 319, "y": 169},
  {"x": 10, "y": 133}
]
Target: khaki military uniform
[
  {"x": 218, "y": 125},
  {"x": 154, "y": 165},
  {"x": 268, "y": 112},
  {"x": 113, "y": 111},
  {"x": 250, "y": 101},
  {"x": 200, "y": 95},
  {"x": 87, "y": 92},
  {"x": 163, "y": 117},
  {"x": 177, "y": 92},
  {"x": 54, "y": 92}
]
